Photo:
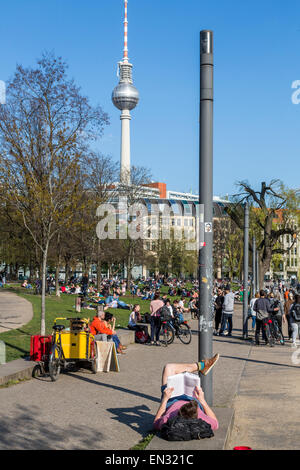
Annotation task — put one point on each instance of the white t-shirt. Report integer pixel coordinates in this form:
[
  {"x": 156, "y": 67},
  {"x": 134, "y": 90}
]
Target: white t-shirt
[
  {"x": 132, "y": 319},
  {"x": 252, "y": 302},
  {"x": 171, "y": 310}
]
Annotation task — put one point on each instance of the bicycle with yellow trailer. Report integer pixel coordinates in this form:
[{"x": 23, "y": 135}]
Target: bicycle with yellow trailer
[{"x": 73, "y": 345}]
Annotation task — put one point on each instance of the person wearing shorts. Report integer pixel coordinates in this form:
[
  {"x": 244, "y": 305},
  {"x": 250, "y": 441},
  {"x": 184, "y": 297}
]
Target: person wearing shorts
[{"x": 171, "y": 407}]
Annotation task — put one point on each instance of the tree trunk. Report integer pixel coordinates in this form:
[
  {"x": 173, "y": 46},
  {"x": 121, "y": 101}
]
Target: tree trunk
[
  {"x": 67, "y": 272},
  {"x": 31, "y": 269},
  {"x": 99, "y": 266},
  {"x": 43, "y": 309},
  {"x": 57, "y": 293},
  {"x": 128, "y": 273}
]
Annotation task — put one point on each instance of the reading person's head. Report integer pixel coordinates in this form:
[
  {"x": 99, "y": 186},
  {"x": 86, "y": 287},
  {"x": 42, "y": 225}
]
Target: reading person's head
[
  {"x": 189, "y": 410},
  {"x": 108, "y": 316}
]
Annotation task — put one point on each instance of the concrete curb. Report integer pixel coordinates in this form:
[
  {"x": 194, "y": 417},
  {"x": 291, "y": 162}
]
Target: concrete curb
[
  {"x": 23, "y": 368},
  {"x": 16, "y": 370}
]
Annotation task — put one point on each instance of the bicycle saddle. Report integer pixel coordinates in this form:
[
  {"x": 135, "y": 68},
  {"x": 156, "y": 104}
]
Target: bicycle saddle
[{"x": 58, "y": 327}]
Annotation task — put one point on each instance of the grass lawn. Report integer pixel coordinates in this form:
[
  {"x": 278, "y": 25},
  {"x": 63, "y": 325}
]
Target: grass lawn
[{"x": 18, "y": 341}]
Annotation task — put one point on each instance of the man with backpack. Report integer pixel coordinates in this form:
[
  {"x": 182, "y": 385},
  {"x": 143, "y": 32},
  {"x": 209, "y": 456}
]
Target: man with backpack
[
  {"x": 262, "y": 309},
  {"x": 294, "y": 320}
]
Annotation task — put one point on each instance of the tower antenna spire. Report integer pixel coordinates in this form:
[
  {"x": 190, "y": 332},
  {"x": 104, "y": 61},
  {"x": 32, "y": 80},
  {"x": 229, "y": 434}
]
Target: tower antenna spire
[
  {"x": 125, "y": 97},
  {"x": 125, "y": 52}
]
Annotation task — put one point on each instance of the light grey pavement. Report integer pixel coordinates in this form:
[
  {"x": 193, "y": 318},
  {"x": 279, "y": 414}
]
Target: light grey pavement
[
  {"x": 267, "y": 406},
  {"x": 14, "y": 311},
  {"x": 116, "y": 410}
]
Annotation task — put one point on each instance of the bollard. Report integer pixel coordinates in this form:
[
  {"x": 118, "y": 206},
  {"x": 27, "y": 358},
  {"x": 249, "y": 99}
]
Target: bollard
[
  {"x": 2, "y": 353},
  {"x": 78, "y": 304},
  {"x": 242, "y": 448}
]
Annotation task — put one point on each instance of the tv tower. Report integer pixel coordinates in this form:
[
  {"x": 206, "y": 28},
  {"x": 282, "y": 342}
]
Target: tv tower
[{"x": 125, "y": 97}]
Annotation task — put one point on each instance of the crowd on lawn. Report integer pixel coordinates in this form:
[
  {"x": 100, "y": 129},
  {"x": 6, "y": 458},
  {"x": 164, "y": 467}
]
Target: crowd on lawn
[{"x": 281, "y": 297}]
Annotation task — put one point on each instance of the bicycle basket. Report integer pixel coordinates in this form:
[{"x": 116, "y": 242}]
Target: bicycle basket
[{"x": 78, "y": 324}]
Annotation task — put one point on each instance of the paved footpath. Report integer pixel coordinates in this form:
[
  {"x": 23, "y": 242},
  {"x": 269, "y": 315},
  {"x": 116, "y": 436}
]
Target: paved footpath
[
  {"x": 115, "y": 410},
  {"x": 14, "y": 311}
]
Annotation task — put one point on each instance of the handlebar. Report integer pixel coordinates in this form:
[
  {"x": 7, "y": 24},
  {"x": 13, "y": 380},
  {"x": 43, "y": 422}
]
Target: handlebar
[{"x": 69, "y": 318}]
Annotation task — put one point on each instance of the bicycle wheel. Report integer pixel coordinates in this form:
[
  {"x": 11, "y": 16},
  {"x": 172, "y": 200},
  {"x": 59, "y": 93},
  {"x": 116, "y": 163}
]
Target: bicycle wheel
[
  {"x": 184, "y": 334},
  {"x": 166, "y": 335},
  {"x": 54, "y": 362},
  {"x": 270, "y": 337},
  {"x": 278, "y": 333}
]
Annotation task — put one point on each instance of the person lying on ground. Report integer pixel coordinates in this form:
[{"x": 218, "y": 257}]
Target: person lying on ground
[
  {"x": 195, "y": 407},
  {"x": 113, "y": 302}
]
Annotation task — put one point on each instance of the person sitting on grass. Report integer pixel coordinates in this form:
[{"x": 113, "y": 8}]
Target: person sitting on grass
[{"x": 185, "y": 406}]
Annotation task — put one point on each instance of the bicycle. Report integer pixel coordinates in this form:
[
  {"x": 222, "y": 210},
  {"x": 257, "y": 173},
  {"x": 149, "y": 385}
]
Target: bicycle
[
  {"x": 277, "y": 331},
  {"x": 57, "y": 358},
  {"x": 173, "y": 327},
  {"x": 71, "y": 347},
  {"x": 273, "y": 331}
]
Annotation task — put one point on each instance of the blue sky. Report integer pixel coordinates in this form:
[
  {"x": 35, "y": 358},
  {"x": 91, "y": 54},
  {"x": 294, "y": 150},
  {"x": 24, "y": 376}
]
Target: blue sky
[{"x": 257, "y": 57}]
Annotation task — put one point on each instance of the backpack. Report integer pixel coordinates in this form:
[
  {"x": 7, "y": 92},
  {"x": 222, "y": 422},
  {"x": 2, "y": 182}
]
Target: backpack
[
  {"x": 181, "y": 429},
  {"x": 165, "y": 314},
  {"x": 147, "y": 318},
  {"x": 179, "y": 317},
  {"x": 141, "y": 337},
  {"x": 295, "y": 312}
]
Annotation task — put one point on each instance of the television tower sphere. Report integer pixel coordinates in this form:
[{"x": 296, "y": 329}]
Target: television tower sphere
[{"x": 125, "y": 95}]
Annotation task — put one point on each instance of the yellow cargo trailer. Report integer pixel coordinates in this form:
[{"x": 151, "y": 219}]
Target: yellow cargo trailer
[{"x": 70, "y": 345}]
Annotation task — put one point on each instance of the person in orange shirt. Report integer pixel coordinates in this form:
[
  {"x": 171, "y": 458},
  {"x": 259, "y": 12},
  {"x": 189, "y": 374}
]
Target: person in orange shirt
[
  {"x": 286, "y": 294},
  {"x": 100, "y": 326}
]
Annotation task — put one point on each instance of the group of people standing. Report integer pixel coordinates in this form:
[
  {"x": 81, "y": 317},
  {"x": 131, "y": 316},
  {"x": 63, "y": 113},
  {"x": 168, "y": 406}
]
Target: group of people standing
[
  {"x": 261, "y": 306},
  {"x": 287, "y": 311},
  {"x": 157, "y": 306}
]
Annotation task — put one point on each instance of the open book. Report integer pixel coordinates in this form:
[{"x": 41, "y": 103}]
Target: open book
[{"x": 183, "y": 384}]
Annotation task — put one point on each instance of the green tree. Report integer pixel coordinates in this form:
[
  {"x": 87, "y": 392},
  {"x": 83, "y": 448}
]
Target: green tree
[
  {"x": 273, "y": 210},
  {"x": 45, "y": 129}
]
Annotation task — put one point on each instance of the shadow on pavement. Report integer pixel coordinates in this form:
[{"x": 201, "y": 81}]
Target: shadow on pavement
[
  {"x": 136, "y": 418},
  {"x": 259, "y": 362},
  {"x": 116, "y": 387},
  {"x": 26, "y": 430}
]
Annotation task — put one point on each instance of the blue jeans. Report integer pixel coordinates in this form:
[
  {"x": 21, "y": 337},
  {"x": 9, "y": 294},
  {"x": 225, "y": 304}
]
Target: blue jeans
[
  {"x": 226, "y": 317},
  {"x": 184, "y": 397},
  {"x": 116, "y": 341},
  {"x": 122, "y": 304}
]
